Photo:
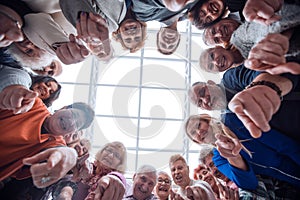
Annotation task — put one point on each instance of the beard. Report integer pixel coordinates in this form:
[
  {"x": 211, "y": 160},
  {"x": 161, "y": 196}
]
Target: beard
[{"x": 34, "y": 63}]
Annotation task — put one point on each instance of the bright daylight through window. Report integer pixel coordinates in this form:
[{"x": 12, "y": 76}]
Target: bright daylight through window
[{"x": 140, "y": 98}]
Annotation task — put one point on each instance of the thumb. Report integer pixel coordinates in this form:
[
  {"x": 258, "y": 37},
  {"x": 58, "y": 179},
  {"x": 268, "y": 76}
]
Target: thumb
[{"x": 252, "y": 63}]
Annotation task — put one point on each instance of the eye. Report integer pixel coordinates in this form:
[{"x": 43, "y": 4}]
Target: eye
[
  {"x": 50, "y": 73},
  {"x": 212, "y": 56},
  {"x": 202, "y": 13},
  {"x": 137, "y": 39},
  {"x": 29, "y": 52},
  {"x": 216, "y": 40},
  {"x": 128, "y": 40}
]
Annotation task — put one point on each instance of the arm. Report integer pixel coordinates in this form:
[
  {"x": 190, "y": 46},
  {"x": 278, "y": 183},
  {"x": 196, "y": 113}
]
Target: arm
[
  {"x": 255, "y": 106},
  {"x": 245, "y": 179}
]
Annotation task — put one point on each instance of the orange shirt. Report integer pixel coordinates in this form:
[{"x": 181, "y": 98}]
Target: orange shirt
[{"x": 20, "y": 137}]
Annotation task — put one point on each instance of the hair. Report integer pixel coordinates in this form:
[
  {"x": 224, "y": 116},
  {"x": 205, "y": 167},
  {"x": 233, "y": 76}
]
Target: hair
[
  {"x": 34, "y": 63},
  {"x": 175, "y": 158},
  {"x": 201, "y": 117},
  {"x": 88, "y": 111},
  {"x": 118, "y": 145},
  {"x": 197, "y": 22},
  {"x": 197, "y": 170},
  {"x": 205, "y": 150},
  {"x": 171, "y": 51},
  {"x": 117, "y": 36},
  {"x": 45, "y": 79},
  {"x": 146, "y": 169},
  {"x": 164, "y": 173}
]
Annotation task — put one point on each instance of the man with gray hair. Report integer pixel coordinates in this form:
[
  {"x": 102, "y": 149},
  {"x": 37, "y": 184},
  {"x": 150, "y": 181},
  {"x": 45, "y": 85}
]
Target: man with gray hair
[
  {"x": 188, "y": 188},
  {"x": 144, "y": 181}
]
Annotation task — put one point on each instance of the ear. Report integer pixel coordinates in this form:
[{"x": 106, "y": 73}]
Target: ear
[{"x": 210, "y": 82}]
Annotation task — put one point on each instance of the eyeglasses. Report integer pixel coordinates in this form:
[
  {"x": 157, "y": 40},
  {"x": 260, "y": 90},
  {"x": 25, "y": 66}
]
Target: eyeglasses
[
  {"x": 167, "y": 181},
  {"x": 114, "y": 153}
]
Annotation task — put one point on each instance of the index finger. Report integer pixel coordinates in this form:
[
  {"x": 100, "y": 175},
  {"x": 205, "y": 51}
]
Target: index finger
[{"x": 42, "y": 156}]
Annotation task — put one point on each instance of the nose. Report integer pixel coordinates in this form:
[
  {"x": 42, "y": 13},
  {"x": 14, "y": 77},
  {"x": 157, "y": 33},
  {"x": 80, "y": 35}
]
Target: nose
[
  {"x": 218, "y": 33},
  {"x": 144, "y": 187}
]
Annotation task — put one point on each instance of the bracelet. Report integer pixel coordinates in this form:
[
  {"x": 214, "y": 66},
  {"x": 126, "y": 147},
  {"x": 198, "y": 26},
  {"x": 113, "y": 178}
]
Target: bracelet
[{"x": 269, "y": 84}]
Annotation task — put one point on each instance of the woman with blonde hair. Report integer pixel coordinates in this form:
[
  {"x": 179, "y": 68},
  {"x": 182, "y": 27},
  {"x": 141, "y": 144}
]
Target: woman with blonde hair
[{"x": 110, "y": 162}]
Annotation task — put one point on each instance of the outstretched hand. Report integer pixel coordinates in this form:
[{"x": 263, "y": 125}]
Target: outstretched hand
[
  {"x": 17, "y": 98},
  {"x": 255, "y": 107},
  {"x": 110, "y": 187},
  {"x": 93, "y": 30},
  {"x": 49, "y": 166},
  {"x": 71, "y": 52},
  {"x": 268, "y": 53},
  {"x": 262, "y": 11},
  {"x": 10, "y": 30}
]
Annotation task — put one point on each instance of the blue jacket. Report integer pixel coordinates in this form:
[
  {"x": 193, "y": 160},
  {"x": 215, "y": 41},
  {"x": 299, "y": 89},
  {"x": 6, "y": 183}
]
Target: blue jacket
[{"x": 273, "y": 154}]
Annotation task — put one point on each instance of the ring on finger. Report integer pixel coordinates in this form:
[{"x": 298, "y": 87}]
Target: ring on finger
[{"x": 45, "y": 179}]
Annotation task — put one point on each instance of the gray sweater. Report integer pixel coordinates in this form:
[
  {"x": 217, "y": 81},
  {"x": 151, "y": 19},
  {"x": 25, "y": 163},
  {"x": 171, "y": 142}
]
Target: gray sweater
[
  {"x": 250, "y": 33},
  {"x": 13, "y": 76}
]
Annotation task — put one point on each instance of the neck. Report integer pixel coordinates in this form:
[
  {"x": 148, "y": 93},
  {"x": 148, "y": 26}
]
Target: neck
[
  {"x": 186, "y": 184},
  {"x": 46, "y": 124}
]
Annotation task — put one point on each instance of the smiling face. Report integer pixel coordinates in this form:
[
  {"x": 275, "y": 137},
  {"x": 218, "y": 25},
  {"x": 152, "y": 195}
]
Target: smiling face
[
  {"x": 163, "y": 186},
  {"x": 167, "y": 40},
  {"x": 180, "y": 173},
  {"x": 28, "y": 48},
  {"x": 216, "y": 59},
  {"x": 213, "y": 169},
  {"x": 110, "y": 156},
  {"x": 44, "y": 90},
  {"x": 200, "y": 131},
  {"x": 208, "y": 96},
  {"x": 208, "y": 12},
  {"x": 65, "y": 121},
  {"x": 220, "y": 33},
  {"x": 131, "y": 33},
  {"x": 143, "y": 184}
]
